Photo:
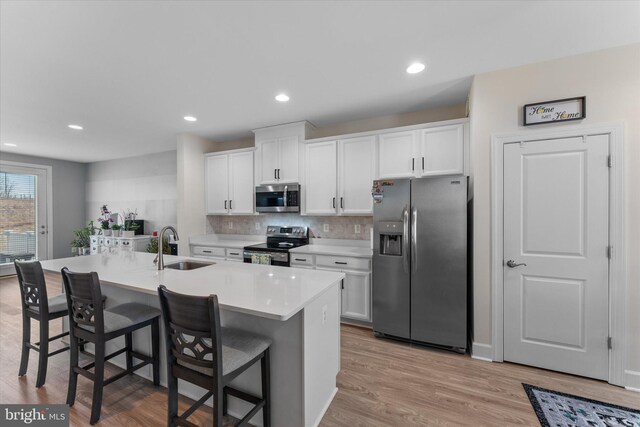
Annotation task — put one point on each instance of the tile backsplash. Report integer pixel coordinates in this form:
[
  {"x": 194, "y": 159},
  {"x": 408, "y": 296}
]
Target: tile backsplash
[{"x": 340, "y": 227}]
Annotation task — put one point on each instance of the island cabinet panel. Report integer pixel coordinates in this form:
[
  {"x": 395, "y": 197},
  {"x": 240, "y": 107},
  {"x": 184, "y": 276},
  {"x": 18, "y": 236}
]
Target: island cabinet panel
[
  {"x": 356, "y": 172},
  {"x": 397, "y": 154},
  {"x": 229, "y": 183},
  {"x": 320, "y": 184},
  {"x": 442, "y": 150}
]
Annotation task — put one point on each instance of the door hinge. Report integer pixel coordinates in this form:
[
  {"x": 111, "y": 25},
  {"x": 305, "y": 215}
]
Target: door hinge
[
  {"x": 610, "y": 161},
  {"x": 609, "y": 343},
  {"x": 609, "y": 252}
]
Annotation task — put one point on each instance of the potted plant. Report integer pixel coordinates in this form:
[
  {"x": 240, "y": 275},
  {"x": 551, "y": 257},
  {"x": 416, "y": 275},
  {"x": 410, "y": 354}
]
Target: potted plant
[
  {"x": 130, "y": 226},
  {"x": 116, "y": 229},
  {"x": 153, "y": 246},
  {"x": 82, "y": 242},
  {"x": 105, "y": 220}
]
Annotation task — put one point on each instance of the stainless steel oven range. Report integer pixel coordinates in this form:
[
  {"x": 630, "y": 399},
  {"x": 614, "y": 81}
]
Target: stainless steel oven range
[{"x": 276, "y": 250}]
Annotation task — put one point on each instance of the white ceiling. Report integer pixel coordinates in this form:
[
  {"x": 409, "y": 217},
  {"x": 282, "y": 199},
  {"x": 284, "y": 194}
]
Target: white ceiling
[{"x": 129, "y": 71}]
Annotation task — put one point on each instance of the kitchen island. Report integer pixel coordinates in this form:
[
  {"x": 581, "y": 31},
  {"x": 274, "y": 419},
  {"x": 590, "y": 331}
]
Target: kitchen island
[{"x": 298, "y": 309}]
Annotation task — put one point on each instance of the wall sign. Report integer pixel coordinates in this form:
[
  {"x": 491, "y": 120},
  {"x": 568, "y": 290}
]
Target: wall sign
[{"x": 560, "y": 110}]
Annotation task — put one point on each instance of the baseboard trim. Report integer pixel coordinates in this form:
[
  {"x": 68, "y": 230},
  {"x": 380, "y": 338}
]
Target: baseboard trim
[
  {"x": 326, "y": 407},
  {"x": 632, "y": 380},
  {"x": 482, "y": 352}
]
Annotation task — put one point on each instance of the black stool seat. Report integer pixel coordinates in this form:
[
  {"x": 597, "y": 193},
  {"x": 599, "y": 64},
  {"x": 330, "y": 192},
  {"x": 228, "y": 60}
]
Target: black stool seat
[
  {"x": 238, "y": 348},
  {"x": 56, "y": 304},
  {"x": 90, "y": 322},
  {"x": 123, "y": 316}
]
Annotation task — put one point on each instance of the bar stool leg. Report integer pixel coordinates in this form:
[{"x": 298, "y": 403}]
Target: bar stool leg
[
  {"x": 172, "y": 395},
  {"x": 98, "y": 382},
  {"x": 43, "y": 356},
  {"x": 218, "y": 406},
  {"x": 155, "y": 350},
  {"x": 129, "y": 345},
  {"x": 26, "y": 339},
  {"x": 73, "y": 375},
  {"x": 266, "y": 389}
]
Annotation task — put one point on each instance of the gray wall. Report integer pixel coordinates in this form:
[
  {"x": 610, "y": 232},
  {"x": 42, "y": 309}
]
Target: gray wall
[
  {"x": 146, "y": 183},
  {"x": 68, "y": 198}
]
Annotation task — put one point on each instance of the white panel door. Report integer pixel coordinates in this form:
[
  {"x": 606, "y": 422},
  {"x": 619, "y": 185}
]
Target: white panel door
[
  {"x": 556, "y": 223},
  {"x": 241, "y": 189},
  {"x": 397, "y": 154},
  {"x": 441, "y": 151},
  {"x": 320, "y": 187},
  {"x": 216, "y": 184},
  {"x": 357, "y": 163},
  {"x": 288, "y": 165},
  {"x": 269, "y": 161},
  {"x": 356, "y": 295}
]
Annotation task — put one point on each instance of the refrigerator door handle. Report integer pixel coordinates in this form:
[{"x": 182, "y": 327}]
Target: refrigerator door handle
[
  {"x": 405, "y": 237},
  {"x": 414, "y": 239}
]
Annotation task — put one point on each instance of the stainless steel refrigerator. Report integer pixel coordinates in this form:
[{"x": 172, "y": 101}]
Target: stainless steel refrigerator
[{"x": 420, "y": 260}]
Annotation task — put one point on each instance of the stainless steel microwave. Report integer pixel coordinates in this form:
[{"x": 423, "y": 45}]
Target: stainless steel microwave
[{"x": 278, "y": 198}]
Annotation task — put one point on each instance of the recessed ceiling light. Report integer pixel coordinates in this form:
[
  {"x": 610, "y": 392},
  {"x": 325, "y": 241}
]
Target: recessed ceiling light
[
  {"x": 190, "y": 119},
  {"x": 414, "y": 68},
  {"x": 8, "y": 144},
  {"x": 75, "y": 127},
  {"x": 282, "y": 97}
]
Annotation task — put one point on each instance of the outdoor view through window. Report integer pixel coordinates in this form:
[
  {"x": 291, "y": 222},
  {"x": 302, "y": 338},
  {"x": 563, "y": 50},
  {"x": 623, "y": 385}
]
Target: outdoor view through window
[{"x": 17, "y": 217}]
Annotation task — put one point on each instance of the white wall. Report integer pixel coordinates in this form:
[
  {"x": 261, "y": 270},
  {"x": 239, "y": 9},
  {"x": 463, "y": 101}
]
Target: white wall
[
  {"x": 610, "y": 79},
  {"x": 146, "y": 183},
  {"x": 191, "y": 209}
]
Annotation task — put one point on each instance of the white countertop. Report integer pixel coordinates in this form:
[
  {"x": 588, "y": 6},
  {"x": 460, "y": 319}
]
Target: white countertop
[
  {"x": 225, "y": 242},
  {"x": 316, "y": 249},
  {"x": 261, "y": 290}
]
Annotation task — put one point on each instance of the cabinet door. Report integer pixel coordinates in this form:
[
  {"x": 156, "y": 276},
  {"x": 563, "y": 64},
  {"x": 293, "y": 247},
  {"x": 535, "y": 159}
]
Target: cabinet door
[
  {"x": 268, "y": 161},
  {"x": 356, "y": 296},
  {"x": 442, "y": 151},
  {"x": 357, "y": 163},
  {"x": 397, "y": 154},
  {"x": 320, "y": 186},
  {"x": 216, "y": 184},
  {"x": 288, "y": 162},
  {"x": 241, "y": 188}
]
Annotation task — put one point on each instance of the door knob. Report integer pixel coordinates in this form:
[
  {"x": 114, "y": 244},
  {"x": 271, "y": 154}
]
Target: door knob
[{"x": 511, "y": 263}]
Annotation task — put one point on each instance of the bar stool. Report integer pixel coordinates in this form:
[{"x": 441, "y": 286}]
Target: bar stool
[
  {"x": 36, "y": 305},
  {"x": 89, "y": 321},
  {"x": 203, "y": 353}
]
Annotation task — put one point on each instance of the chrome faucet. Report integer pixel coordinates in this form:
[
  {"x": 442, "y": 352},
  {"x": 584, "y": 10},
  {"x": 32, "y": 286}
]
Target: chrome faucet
[{"x": 159, "y": 259}]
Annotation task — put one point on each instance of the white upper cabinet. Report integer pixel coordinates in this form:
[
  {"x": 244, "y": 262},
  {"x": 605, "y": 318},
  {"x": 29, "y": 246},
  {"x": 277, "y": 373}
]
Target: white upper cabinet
[
  {"x": 278, "y": 153},
  {"x": 321, "y": 178},
  {"x": 339, "y": 175},
  {"x": 241, "y": 190},
  {"x": 217, "y": 184},
  {"x": 442, "y": 150},
  {"x": 436, "y": 150},
  {"x": 397, "y": 154},
  {"x": 229, "y": 183},
  {"x": 357, "y": 170}
]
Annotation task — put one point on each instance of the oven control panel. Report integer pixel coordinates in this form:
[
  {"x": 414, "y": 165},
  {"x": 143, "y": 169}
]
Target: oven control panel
[{"x": 288, "y": 231}]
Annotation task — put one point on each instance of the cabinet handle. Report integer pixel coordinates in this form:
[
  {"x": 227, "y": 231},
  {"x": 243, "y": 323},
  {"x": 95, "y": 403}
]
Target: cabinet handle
[
  {"x": 342, "y": 284},
  {"x": 234, "y": 253},
  {"x": 275, "y": 174},
  {"x": 300, "y": 259},
  {"x": 340, "y": 262},
  {"x": 423, "y": 163},
  {"x": 225, "y": 204},
  {"x": 341, "y": 202},
  {"x": 413, "y": 163},
  {"x": 230, "y": 204},
  {"x": 278, "y": 173},
  {"x": 334, "y": 203},
  {"x": 207, "y": 252}
]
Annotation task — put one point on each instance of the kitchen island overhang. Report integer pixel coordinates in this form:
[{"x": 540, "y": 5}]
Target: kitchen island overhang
[{"x": 299, "y": 309}]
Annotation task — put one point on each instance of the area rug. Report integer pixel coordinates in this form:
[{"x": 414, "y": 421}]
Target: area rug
[{"x": 555, "y": 409}]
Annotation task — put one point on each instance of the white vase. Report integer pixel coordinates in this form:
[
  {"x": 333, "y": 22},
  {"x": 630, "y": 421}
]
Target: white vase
[
  {"x": 116, "y": 233},
  {"x": 106, "y": 231},
  {"x": 128, "y": 233}
]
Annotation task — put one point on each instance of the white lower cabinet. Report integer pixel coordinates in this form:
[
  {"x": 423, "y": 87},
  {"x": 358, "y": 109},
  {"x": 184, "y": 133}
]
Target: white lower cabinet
[
  {"x": 102, "y": 244},
  {"x": 356, "y": 286},
  {"x": 217, "y": 253}
]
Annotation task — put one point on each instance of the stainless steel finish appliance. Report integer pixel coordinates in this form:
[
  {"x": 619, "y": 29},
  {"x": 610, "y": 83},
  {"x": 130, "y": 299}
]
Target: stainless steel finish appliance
[
  {"x": 278, "y": 198},
  {"x": 420, "y": 260},
  {"x": 279, "y": 240}
]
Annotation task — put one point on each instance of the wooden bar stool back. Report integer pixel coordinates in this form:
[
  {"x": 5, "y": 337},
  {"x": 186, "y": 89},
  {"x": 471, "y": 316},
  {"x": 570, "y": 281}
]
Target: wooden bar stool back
[
  {"x": 203, "y": 353},
  {"x": 36, "y": 305},
  {"x": 90, "y": 322}
]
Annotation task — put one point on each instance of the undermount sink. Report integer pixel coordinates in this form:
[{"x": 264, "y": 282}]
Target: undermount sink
[{"x": 188, "y": 265}]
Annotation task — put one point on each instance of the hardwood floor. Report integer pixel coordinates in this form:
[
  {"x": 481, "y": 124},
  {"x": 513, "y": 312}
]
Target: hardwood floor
[{"x": 382, "y": 383}]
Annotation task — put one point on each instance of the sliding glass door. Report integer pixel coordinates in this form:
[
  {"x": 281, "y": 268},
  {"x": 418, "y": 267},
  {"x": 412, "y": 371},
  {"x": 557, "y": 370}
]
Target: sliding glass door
[{"x": 24, "y": 233}]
